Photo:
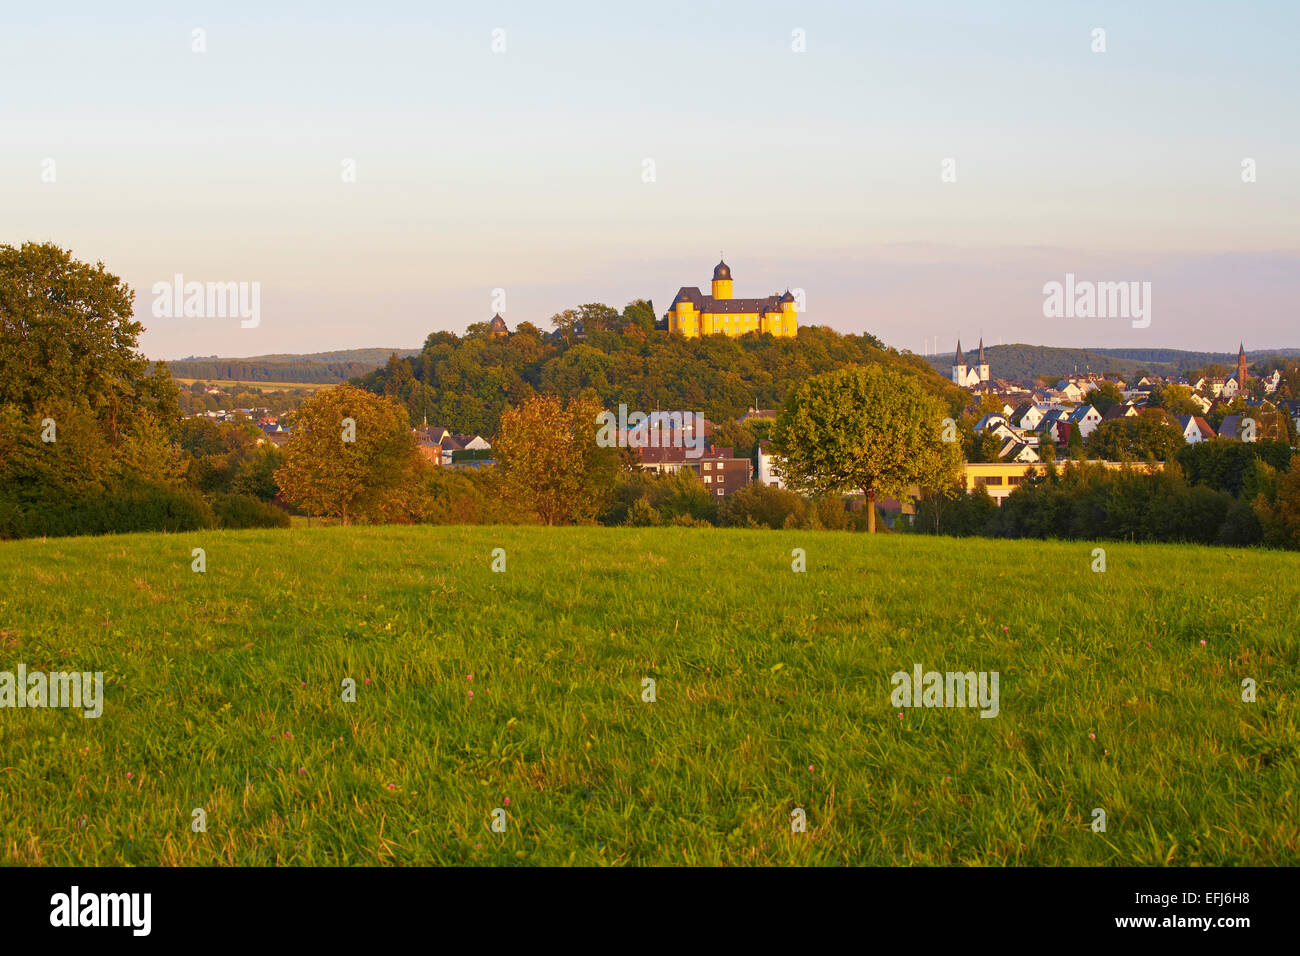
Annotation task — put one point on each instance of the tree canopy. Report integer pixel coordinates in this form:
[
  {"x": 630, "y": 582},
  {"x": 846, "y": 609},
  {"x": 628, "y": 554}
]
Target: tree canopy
[{"x": 870, "y": 429}]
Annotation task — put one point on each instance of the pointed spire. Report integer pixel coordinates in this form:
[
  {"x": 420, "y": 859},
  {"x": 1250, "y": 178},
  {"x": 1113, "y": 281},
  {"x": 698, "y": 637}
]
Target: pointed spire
[
  {"x": 958, "y": 360},
  {"x": 982, "y": 362}
]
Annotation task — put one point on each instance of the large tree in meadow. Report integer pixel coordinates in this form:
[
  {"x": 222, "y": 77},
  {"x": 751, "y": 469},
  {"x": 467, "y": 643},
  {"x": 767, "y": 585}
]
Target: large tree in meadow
[
  {"x": 550, "y": 461},
  {"x": 864, "y": 428},
  {"x": 351, "y": 456}
]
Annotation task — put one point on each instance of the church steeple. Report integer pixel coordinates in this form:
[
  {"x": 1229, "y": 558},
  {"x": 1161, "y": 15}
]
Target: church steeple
[
  {"x": 982, "y": 362},
  {"x": 959, "y": 360}
]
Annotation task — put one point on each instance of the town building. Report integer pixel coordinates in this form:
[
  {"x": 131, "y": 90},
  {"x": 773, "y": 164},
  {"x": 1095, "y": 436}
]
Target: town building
[{"x": 718, "y": 469}]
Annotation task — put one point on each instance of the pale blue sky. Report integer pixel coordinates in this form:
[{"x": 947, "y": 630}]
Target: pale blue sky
[{"x": 523, "y": 169}]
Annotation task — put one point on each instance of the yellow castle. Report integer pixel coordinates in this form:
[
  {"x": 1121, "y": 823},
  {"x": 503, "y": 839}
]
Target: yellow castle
[{"x": 693, "y": 314}]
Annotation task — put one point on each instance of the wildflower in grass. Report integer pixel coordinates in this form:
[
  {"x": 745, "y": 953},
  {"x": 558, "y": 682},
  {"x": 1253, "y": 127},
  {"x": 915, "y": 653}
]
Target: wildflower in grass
[
  {"x": 471, "y": 695},
  {"x": 1202, "y": 643},
  {"x": 302, "y": 770},
  {"x": 900, "y": 715},
  {"x": 1092, "y": 736},
  {"x": 129, "y": 775},
  {"x": 507, "y": 801},
  {"x": 392, "y": 786},
  {"x": 1005, "y": 628},
  {"x": 469, "y": 676},
  {"x": 367, "y": 680}
]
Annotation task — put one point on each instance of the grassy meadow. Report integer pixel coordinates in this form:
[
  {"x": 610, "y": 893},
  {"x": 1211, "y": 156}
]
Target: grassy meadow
[{"x": 1119, "y": 690}]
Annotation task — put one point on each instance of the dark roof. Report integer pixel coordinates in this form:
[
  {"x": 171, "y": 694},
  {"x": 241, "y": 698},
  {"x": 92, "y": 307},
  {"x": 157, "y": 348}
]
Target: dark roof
[
  {"x": 959, "y": 360},
  {"x": 721, "y": 271},
  {"x": 788, "y": 297},
  {"x": 707, "y": 303},
  {"x": 499, "y": 324}
]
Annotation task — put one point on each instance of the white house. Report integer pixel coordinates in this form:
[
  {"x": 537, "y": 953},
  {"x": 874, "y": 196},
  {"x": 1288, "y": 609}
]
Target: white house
[
  {"x": 1195, "y": 429},
  {"x": 1027, "y": 415},
  {"x": 766, "y": 474},
  {"x": 1085, "y": 418}
]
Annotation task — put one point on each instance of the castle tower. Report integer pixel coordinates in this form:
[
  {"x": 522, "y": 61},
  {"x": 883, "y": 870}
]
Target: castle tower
[
  {"x": 1241, "y": 366},
  {"x": 722, "y": 281}
]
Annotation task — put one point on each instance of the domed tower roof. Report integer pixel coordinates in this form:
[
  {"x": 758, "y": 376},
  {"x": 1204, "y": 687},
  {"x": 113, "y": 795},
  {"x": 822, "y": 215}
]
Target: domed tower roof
[
  {"x": 721, "y": 271},
  {"x": 787, "y": 297}
]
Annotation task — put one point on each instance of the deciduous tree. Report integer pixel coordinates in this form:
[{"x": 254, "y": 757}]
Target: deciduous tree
[
  {"x": 368, "y": 472},
  {"x": 865, "y": 428},
  {"x": 550, "y": 461}
]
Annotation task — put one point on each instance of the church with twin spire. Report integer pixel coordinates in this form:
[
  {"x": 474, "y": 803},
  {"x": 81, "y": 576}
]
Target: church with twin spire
[{"x": 970, "y": 376}]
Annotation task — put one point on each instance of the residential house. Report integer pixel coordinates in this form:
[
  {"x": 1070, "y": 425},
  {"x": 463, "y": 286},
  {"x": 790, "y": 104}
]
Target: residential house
[
  {"x": 721, "y": 472},
  {"x": 1015, "y": 450},
  {"x": 1231, "y": 427},
  {"x": 1026, "y": 415},
  {"x": 1195, "y": 429},
  {"x": 1126, "y": 410},
  {"x": 766, "y": 472},
  {"x": 1085, "y": 418}
]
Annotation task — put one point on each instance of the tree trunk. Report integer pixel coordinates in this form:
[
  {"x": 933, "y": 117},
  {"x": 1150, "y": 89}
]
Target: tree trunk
[{"x": 871, "y": 511}]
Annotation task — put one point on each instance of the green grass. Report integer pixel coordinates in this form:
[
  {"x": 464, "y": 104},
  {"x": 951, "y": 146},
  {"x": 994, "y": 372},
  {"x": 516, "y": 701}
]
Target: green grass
[{"x": 773, "y": 693}]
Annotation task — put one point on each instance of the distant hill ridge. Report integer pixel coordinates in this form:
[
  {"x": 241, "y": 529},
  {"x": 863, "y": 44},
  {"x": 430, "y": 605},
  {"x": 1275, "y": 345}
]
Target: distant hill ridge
[
  {"x": 314, "y": 368},
  {"x": 1024, "y": 362},
  {"x": 1017, "y": 362}
]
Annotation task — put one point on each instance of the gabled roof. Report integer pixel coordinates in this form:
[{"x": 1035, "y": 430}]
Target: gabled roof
[
  {"x": 991, "y": 420},
  {"x": 1230, "y": 427}
]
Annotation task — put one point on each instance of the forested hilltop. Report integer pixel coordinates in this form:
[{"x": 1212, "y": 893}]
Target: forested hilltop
[
  {"x": 320, "y": 368},
  {"x": 465, "y": 382}
]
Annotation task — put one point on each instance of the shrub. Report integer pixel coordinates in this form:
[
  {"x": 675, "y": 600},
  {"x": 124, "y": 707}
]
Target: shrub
[{"x": 245, "y": 511}]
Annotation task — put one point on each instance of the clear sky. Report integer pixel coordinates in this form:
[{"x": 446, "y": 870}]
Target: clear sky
[{"x": 525, "y": 169}]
